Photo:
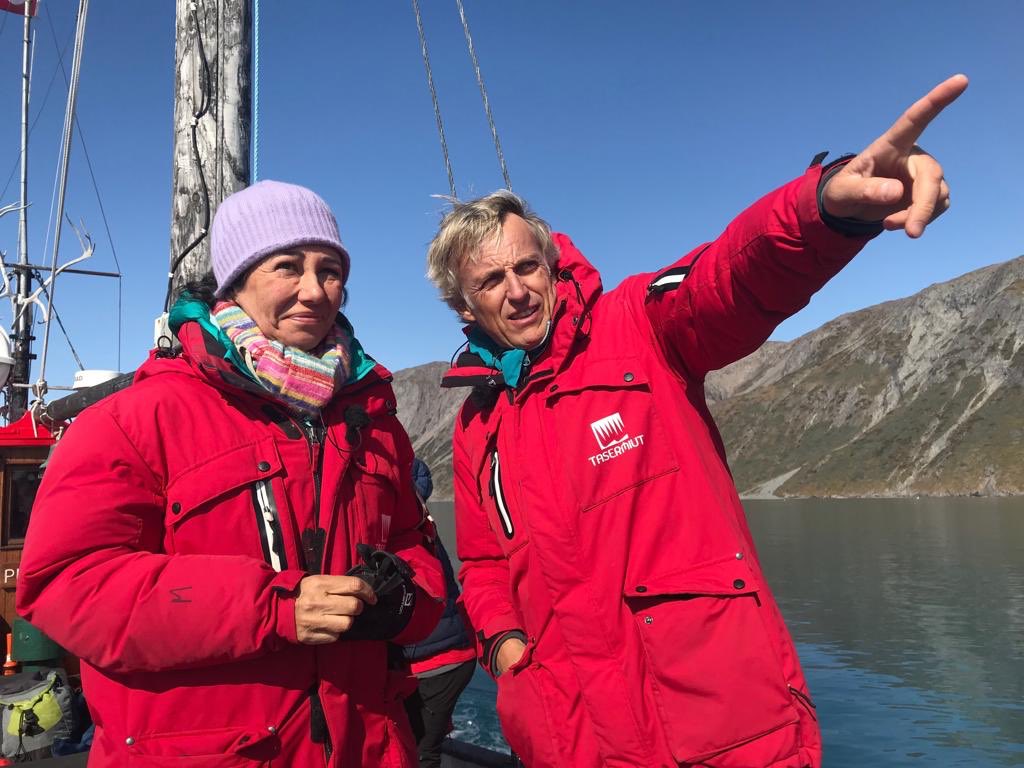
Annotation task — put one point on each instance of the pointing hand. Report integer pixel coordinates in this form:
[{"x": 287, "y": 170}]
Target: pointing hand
[{"x": 894, "y": 180}]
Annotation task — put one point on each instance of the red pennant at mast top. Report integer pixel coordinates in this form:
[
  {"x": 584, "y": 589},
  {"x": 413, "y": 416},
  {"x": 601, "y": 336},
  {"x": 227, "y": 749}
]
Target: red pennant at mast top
[{"x": 18, "y": 6}]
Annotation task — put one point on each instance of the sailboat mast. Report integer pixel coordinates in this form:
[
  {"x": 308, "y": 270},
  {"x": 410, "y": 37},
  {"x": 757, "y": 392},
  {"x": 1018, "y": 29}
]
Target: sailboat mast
[
  {"x": 212, "y": 119},
  {"x": 18, "y": 398}
]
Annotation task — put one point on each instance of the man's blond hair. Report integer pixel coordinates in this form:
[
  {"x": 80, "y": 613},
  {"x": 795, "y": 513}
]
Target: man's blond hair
[{"x": 464, "y": 229}]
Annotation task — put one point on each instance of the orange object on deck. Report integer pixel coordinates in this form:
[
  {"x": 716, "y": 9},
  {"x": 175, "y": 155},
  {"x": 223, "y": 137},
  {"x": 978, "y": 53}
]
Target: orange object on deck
[{"x": 10, "y": 665}]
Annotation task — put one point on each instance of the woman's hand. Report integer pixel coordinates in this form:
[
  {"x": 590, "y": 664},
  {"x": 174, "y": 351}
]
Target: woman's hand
[{"x": 327, "y": 606}]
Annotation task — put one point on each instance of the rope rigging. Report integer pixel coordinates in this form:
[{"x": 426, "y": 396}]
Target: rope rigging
[
  {"x": 433, "y": 98},
  {"x": 42, "y": 105},
  {"x": 99, "y": 202},
  {"x": 255, "y": 91},
  {"x": 483, "y": 93},
  {"x": 76, "y": 71},
  {"x": 56, "y": 316}
]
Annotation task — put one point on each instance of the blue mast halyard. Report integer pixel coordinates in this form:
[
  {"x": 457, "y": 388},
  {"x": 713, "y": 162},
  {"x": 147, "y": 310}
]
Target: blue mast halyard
[{"x": 18, "y": 396}]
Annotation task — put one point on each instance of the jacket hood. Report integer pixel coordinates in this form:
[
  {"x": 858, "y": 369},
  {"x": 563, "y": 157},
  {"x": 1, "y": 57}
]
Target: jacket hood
[{"x": 578, "y": 287}]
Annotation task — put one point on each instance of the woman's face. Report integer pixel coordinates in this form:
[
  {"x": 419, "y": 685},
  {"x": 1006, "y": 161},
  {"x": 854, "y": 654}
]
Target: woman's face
[{"x": 294, "y": 295}]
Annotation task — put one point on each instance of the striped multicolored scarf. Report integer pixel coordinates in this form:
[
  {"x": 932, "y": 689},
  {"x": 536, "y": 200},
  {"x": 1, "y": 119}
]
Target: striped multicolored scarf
[{"x": 303, "y": 381}]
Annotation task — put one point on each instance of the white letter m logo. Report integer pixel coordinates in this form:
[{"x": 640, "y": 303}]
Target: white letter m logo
[{"x": 609, "y": 431}]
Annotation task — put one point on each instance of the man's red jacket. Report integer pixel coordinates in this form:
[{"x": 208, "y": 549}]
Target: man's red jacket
[{"x": 596, "y": 513}]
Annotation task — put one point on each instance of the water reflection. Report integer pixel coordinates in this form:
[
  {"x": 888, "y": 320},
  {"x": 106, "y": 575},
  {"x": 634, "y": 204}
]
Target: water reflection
[{"x": 909, "y": 617}]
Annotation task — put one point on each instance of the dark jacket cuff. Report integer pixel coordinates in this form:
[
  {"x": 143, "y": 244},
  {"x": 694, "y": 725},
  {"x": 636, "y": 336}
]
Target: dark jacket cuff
[
  {"x": 847, "y": 227},
  {"x": 492, "y": 645}
]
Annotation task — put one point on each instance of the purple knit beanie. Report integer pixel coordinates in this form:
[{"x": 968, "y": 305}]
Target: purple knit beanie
[{"x": 267, "y": 217}]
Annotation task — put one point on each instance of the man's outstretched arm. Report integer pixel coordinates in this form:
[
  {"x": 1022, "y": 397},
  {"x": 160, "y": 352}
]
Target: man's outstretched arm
[{"x": 722, "y": 301}]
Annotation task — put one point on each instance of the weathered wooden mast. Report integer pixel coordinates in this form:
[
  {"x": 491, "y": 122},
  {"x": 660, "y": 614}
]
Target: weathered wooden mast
[{"x": 212, "y": 115}]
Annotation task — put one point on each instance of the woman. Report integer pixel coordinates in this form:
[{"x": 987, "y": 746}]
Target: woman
[{"x": 191, "y": 537}]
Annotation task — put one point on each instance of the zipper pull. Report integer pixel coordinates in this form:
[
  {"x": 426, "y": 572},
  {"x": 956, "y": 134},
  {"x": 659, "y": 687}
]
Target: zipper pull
[
  {"x": 314, "y": 432},
  {"x": 272, "y": 533},
  {"x": 490, "y": 475}
]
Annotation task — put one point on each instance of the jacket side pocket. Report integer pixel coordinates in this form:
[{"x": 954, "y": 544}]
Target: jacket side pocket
[
  {"x": 716, "y": 680},
  {"x": 524, "y": 713},
  {"x": 215, "y": 748}
]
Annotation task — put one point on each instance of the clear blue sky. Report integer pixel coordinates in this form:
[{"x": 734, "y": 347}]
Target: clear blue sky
[{"x": 640, "y": 128}]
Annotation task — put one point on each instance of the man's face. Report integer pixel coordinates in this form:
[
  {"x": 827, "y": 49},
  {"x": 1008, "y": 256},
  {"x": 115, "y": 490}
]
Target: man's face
[{"x": 508, "y": 288}]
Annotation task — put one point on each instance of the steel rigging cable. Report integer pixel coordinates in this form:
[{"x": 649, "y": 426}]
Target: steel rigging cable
[
  {"x": 99, "y": 202},
  {"x": 483, "y": 94},
  {"x": 69, "y": 120},
  {"x": 433, "y": 97}
]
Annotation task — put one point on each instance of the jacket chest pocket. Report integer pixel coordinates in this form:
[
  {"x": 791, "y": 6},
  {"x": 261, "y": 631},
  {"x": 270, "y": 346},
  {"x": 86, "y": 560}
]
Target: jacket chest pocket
[
  {"x": 372, "y": 483},
  {"x": 608, "y": 436},
  {"x": 229, "y": 504}
]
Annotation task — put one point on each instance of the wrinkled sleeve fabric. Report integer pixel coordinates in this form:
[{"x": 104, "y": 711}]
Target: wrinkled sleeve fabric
[
  {"x": 94, "y": 578},
  {"x": 408, "y": 539},
  {"x": 766, "y": 266},
  {"x": 486, "y": 594}
]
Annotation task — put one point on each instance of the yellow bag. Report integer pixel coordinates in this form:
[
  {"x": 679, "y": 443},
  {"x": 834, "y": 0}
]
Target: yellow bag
[
  {"x": 45, "y": 710},
  {"x": 35, "y": 710}
]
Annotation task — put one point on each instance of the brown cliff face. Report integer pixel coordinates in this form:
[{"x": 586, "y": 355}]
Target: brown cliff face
[
  {"x": 920, "y": 396},
  {"x": 917, "y": 396},
  {"x": 428, "y": 414}
]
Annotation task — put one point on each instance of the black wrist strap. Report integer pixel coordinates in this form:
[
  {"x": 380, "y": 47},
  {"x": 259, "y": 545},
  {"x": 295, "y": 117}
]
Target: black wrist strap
[{"x": 847, "y": 227}]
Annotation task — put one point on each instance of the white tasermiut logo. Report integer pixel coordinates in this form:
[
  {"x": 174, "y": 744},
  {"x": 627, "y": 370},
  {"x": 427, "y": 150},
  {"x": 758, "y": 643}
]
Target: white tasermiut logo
[
  {"x": 612, "y": 439},
  {"x": 609, "y": 431}
]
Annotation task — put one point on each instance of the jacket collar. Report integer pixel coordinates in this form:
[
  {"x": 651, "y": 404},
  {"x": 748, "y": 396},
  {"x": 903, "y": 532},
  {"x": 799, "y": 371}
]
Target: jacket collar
[{"x": 578, "y": 286}]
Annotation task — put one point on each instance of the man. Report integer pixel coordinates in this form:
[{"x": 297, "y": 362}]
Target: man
[{"x": 607, "y": 565}]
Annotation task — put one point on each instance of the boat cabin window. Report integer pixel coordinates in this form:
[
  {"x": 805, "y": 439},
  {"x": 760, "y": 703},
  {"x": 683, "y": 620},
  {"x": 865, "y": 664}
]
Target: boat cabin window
[{"x": 21, "y": 481}]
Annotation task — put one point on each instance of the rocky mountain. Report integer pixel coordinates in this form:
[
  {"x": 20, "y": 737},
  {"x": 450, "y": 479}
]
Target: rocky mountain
[
  {"x": 428, "y": 414},
  {"x": 920, "y": 396}
]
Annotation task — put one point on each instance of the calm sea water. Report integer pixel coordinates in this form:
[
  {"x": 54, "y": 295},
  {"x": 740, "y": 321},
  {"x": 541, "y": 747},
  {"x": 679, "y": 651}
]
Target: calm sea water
[{"x": 909, "y": 619}]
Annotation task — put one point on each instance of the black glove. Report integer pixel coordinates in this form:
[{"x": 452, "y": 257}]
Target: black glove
[{"x": 390, "y": 578}]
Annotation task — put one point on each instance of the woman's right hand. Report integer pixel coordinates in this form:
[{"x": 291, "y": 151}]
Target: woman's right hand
[{"x": 327, "y": 605}]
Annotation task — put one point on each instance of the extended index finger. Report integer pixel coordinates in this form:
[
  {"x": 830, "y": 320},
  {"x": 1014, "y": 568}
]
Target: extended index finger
[{"x": 911, "y": 124}]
